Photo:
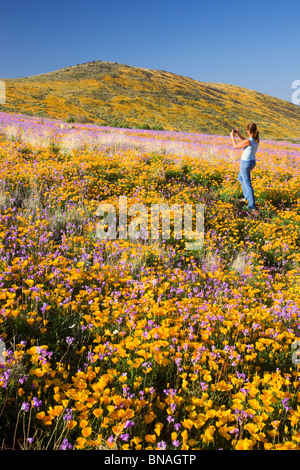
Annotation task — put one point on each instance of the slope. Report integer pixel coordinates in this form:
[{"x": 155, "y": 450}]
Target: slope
[{"x": 113, "y": 94}]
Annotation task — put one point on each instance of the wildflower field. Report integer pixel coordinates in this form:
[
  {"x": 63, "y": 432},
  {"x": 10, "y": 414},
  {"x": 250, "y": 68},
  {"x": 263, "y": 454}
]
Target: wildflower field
[{"x": 141, "y": 344}]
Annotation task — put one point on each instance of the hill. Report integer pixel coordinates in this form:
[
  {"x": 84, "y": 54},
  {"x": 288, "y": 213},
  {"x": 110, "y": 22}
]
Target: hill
[{"x": 113, "y": 94}]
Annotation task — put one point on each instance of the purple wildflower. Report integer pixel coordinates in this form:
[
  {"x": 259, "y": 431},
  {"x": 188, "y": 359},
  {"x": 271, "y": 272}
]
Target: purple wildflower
[
  {"x": 25, "y": 406},
  {"x": 66, "y": 445},
  {"x": 36, "y": 403},
  {"x": 161, "y": 445},
  {"x": 128, "y": 424}
]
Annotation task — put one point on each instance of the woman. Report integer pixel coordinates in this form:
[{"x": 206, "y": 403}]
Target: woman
[{"x": 250, "y": 146}]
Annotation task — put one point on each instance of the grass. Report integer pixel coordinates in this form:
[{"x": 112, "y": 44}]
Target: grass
[{"x": 140, "y": 344}]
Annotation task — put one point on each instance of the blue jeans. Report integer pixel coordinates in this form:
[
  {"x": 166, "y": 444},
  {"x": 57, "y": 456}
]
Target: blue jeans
[{"x": 245, "y": 180}]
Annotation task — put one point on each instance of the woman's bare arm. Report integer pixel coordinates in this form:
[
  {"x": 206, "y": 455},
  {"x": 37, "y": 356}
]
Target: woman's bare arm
[
  {"x": 239, "y": 135},
  {"x": 241, "y": 145}
]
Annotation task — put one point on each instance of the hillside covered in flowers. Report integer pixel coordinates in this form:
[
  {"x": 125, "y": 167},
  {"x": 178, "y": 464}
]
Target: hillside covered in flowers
[
  {"x": 140, "y": 344},
  {"x": 107, "y": 93}
]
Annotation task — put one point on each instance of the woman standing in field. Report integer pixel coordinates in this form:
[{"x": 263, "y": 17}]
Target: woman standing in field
[{"x": 250, "y": 146}]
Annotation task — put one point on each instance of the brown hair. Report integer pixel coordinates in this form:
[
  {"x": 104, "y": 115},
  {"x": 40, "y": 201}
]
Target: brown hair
[{"x": 253, "y": 131}]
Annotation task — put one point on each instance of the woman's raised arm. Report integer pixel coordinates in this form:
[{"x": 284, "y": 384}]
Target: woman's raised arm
[
  {"x": 239, "y": 135},
  {"x": 241, "y": 145}
]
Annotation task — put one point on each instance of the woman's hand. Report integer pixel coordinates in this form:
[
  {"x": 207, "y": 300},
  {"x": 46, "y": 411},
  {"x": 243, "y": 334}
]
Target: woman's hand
[{"x": 241, "y": 145}]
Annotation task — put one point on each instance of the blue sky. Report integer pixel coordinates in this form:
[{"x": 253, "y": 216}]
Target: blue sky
[{"x": 254, "y": 44}]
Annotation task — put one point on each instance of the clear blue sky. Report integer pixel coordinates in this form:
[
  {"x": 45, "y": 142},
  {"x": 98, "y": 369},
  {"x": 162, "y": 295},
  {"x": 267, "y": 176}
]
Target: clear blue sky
[{"x": 253, "y": 44}]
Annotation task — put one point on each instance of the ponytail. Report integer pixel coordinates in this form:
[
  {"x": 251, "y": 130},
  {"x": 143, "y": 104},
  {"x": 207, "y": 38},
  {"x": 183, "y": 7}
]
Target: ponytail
[{"x": 253, "y": 131}]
